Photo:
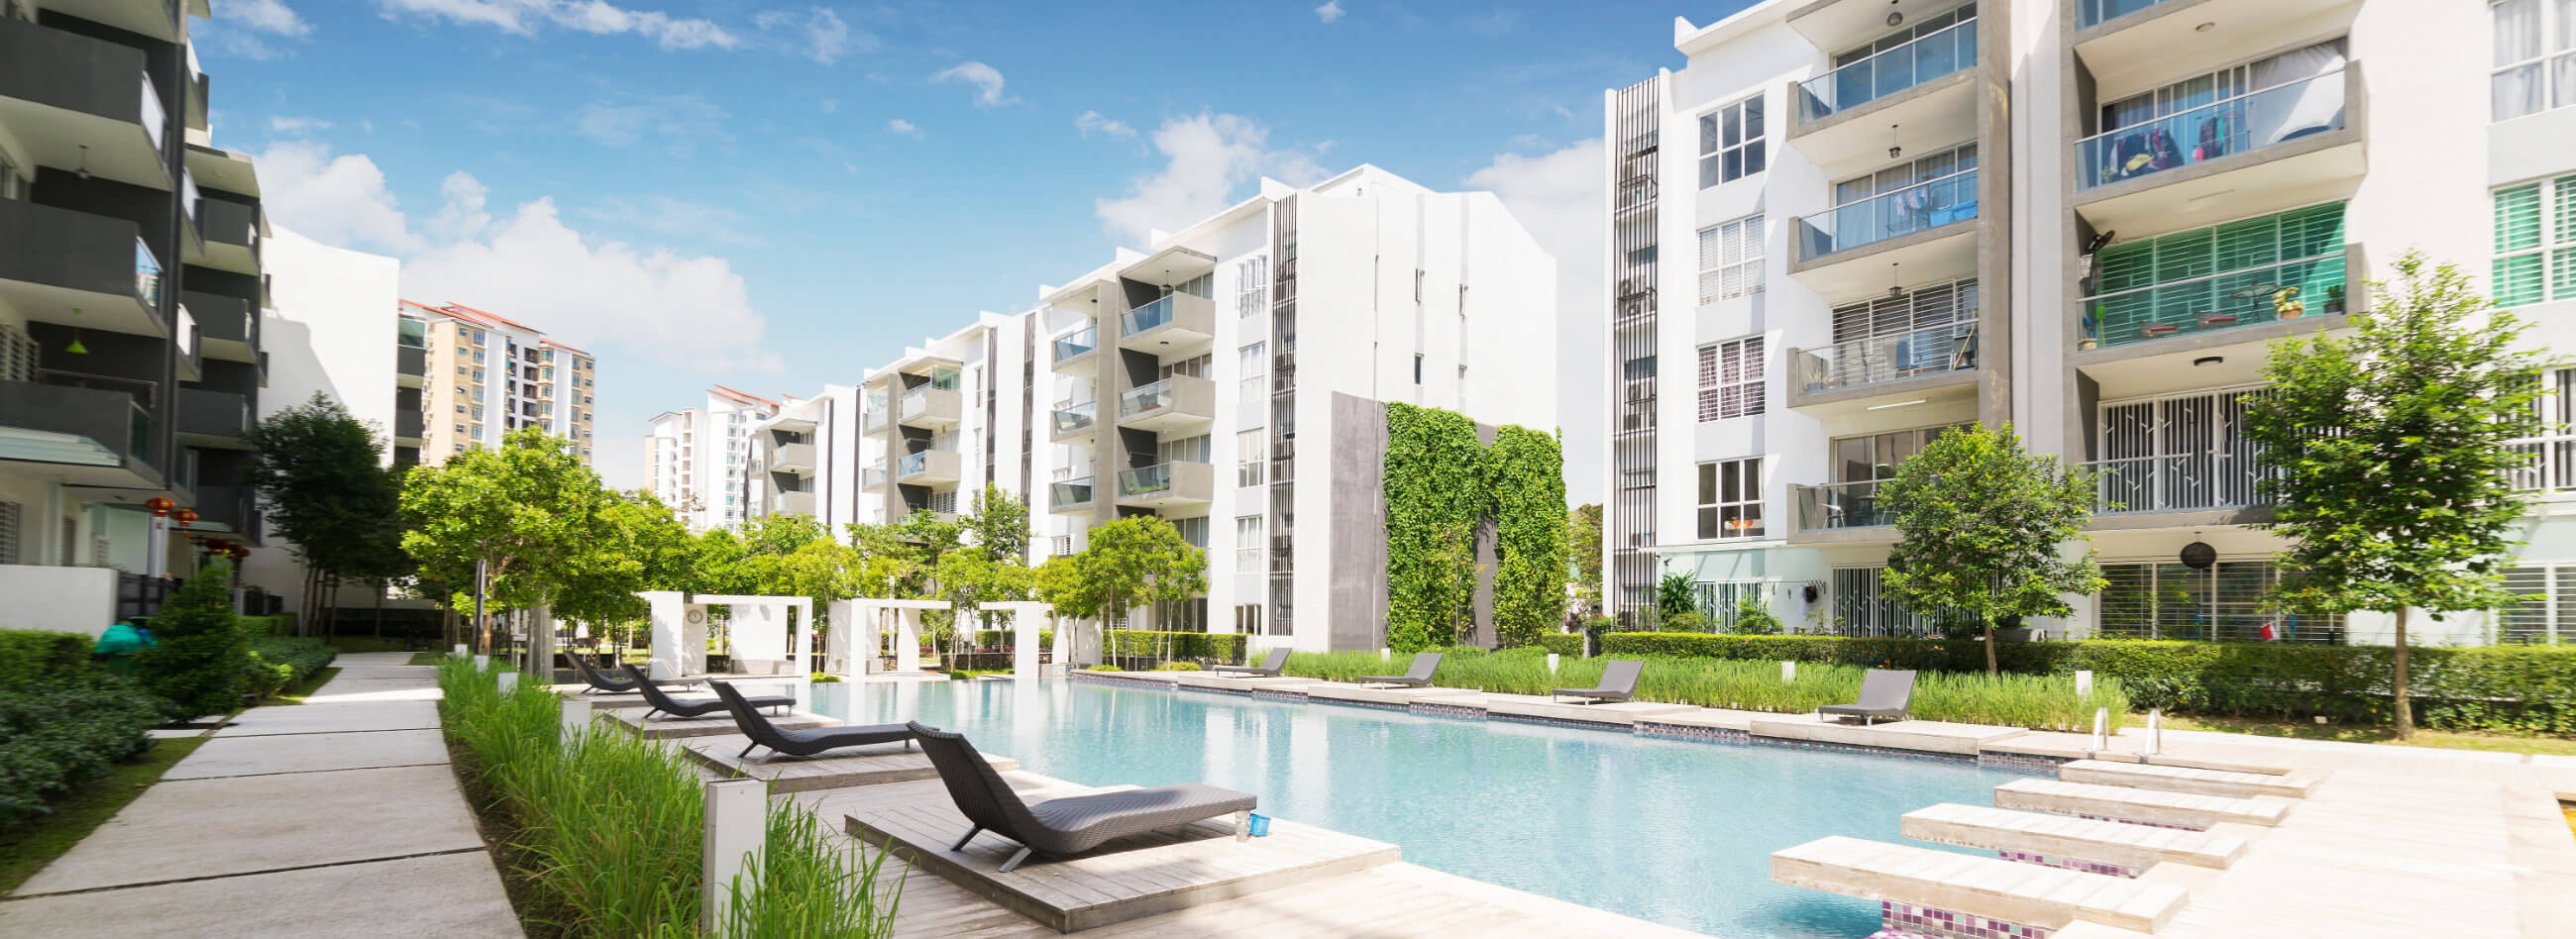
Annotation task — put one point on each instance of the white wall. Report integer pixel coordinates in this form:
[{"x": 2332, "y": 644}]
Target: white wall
[
  {"x": 59, "y": 599},
  {"x": 333, "y": 331}
]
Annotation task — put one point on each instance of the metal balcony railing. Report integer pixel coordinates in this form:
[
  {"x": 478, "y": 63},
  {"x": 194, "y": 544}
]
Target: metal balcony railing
[
  {"x": 2239, "y": 124},
  {"x": 2092, "y": 13},
  {"x": 1140, "y": 400},
  {"x": 1949, "y": 347},
  {"x": 1145, "y": 479},
  {"x": 1075, "y": 417},
  {"x": 1153, "y": 315},
  {"x": 2247, "y": 297},
  {"x": 1071, "y": 492},
  {"x": 1927, "y": 57},
  {"x": 2189, "y": 482},
  {"x": 1077, "y": 344},
  {"x": 1919, "y": 207},
  {"x": 1841, "y": 505}
]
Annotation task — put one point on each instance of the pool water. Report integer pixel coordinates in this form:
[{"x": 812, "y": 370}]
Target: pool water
[{"x": 1677, "y": 832}]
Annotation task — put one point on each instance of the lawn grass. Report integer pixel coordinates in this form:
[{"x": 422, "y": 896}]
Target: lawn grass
[
  {"x": 297, "y": 692},
  {"x": 2357, "y": 733},
  {"x": 26, "y": 849},
  {"x": 427, "y": 658}
]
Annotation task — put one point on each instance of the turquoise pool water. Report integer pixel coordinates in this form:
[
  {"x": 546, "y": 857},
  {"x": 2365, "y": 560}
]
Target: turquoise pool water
[{"x": 1678, "y": 832}]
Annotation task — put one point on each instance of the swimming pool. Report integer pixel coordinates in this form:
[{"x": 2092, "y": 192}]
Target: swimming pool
[{"x": 1678, "y": 832}]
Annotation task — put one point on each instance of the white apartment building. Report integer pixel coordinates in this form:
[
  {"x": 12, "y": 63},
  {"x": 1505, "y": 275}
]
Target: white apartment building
[
  {"x": 1173, "y": 380},
  {"x": 471, "y": 376},
  {"x": 698, "y": 460},
  {"x": 2085, "y": 217}
]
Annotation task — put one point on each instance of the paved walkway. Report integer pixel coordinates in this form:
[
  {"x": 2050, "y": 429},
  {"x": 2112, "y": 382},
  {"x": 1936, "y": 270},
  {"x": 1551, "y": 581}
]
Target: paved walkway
[{"x": 336, "y": 817}]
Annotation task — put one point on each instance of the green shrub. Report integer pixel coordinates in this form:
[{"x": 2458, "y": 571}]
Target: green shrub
[
  {"x": 1688, "y": 621},
  {"x": 606, "y": 829},
  {"x": 63, "y": 730},
  {"x": 200, "y": 661},
  {"x": 28, "y": 655},
  {"x": 1148, "y": 644},
  {"x": 998, "y": 638},
  {"x": 1753, "y": 618},
  {"x": 1567, "y": 644},
  {"x": 1177, "y": 667},
  {"x": 277, "y": 662}
]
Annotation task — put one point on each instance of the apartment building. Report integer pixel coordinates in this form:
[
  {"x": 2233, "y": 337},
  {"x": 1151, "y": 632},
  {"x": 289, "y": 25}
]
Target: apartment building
[
  {"x": 131, "y": 291},
  {"x": 465, "y": 377},
  {"x": 2088, "y": 218},
  {"x": 699, "y": 460}
]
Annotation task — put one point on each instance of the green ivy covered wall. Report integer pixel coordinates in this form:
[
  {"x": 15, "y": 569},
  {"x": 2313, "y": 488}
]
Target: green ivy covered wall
[{"x": 1442, "y": 487}]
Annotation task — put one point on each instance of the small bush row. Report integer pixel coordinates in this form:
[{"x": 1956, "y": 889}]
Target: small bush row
[
  {"x": 2517, "y": 689},
  {"x": 1003, "y": 638},
  {"x": 1562, "y": 643},
  {"x": 63, "y": 730},
  {"x": 278, "y": 662},
  {"x": 28, "y": 655},
  {"x": 1139, "y": 643},
  {"x": 605, "y": 830}
]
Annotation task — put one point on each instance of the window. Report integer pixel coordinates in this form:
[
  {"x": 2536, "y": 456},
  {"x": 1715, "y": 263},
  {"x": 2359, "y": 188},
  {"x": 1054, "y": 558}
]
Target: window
[
  {"x": 1247, "y": 543},
  {"x": 1247, "y": 619},
  {"x": 1184, "y": 450},
  {"x": 2168, "y": 600},
  {"x": 1730, "y": 260},
  {"x": 1730, "y": 142},
  {"x": 1194, "y": 367},
  {"x": 1193, "y": 530},
  {"x": 1254, "y": 387},
  {"x": 460, "y": 409},
  {"x": 1730, "y": 379},
  {"x": 9, "y": 521},
  {"x": 477, "y": 413},
  {"x": 2535, "y": 56},
  {"x": 1862, "y": 606},
  {"x": 1730, "y": 498},
  {"x": 1248, "y": 458},
  {"x": 478, "y": 355},
  {"x": 1417, "y": 368},
  {"x": 2535, "y": 242},
  {"x": 2547, "y": 613}
]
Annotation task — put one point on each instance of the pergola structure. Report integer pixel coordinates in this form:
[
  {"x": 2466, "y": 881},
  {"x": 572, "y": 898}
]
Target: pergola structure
[
  {"x": 759, "y": 631},
  {"x": 862, "y": 623}
]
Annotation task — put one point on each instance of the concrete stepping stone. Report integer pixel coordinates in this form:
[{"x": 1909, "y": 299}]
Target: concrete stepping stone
[
  {"x": 2144, "y": 806},
  {"x": 2028, "y": 894},
  {"x": 2135, "y": 847},
  {"x": 2207, "y": 782}
]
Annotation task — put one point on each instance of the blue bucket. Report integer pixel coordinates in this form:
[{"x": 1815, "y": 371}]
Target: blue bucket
[{"x": 1259, "y": 825}]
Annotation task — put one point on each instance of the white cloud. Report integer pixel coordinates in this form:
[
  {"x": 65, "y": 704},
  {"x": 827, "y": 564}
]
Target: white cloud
[
  {"x": 1330, "y": 11},
  {"x": 267, "y": 16},
  {"x": 904, "y": 127},
  {"x": 296, "y": 125},
  {"x": 986, "y": 79},
  {"x": 1090, "y": 121},
  {"x": 1561, "y": 197},
  {"x": 683, "y": 122},
  {"x": 333, "y": 199},
  {"x": 677, "y": 218},
  {"x": 599, "y": 17},
  {"x": 1494, "y": 22},
  {"x": 1206, "y": 159},
  {"x": 830, "y": 105},
  {"x": 820, "y": 33},
  {"x": 461, "y": 211}
]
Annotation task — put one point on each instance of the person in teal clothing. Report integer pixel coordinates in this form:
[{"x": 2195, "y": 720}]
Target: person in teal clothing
[{"x": 119, "y": 644}]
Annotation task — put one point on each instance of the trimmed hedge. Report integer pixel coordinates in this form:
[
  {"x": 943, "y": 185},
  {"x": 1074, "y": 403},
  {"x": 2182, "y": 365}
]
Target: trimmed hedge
[
  {"x": 64, "y": 730},
  {"x": 997, "y": 638},
  {"x": 27, "y": 656},
  {"x": 277, "y": 662},
  {"x": 1568, "y": 644},
  {"x": 1146, "y": 644},
  {"x": 2506, "y": 688}
]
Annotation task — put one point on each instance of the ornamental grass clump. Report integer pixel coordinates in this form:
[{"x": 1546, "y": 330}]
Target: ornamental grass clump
[{"x": 605, "y": 829}]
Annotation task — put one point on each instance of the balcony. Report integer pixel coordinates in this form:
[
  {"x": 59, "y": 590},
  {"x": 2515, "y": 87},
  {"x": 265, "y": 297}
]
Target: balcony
[
  {"x": 797, "y": 458},
  {"x": 928, "y": 468},
  {"x": 408, "y": 427},
  {"x": 76, "y": 269},
  {"x": 2221, "y": 484},
  {"x": 1902, "y": 362},
  {"x": 1175, "y": 323},
  {"x": 1072, "y": 353},
  {"x": 1841, "y": 505},
  {"x": 2275, "y": 148},
  {"x": 1176, "y": 402},
  {"x": 1073, "y": 423},
  {"x": 213, "y": 419},
  {"x": 230, "y": 329},
  {"x": 231, "y": 231},
  {"x": 111, "y": 425},
  {"x": 61, "y": 91},
  {"x": 793, "y": 503},
  {"x": 2124, "y": 43},
  {"x": 158, "y": 19},
  {"x": 1924, "y": 86},
  {"x": 1071, "y": 497},
  {"x": 931, "y": 408},
  {"x": 224, "y": 509},
  {"x": 1166, "y": 485},
  {"x": 2147, "y": 319},
  {"x": 1927, "y": 230},
  {"x": 873, "y": 477}
]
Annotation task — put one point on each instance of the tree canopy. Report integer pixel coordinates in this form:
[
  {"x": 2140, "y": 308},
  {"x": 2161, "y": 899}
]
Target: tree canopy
[
  {"x": 1984, "y": 525},
  {"x": 1131, "y": 562},
  {"x": 2391, "y": 456},
  {"x": 540, "y": 520},
  {"x": 318, "y": 473}
]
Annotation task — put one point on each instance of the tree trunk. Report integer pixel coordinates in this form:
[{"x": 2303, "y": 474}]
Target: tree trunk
[
  {"x": 1991, "y": 669},
  {"x": 380, "y": 609},
  {"x": 310, "y": 602},
  {"x": 2405, "y": 710}
]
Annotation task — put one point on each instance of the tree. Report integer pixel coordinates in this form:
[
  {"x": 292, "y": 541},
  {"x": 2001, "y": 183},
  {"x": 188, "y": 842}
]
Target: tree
[
  {"x": 199, "y": 656},
  {"x": 2390, "y": 453},
  {"x": 646, "y": 549},
  {"x": 1131, "y": 562},
  {"x": 1000, "y": 524},
  {"x": 1583, "y": 535},
  {"x": 1982, "y": 524},
  {"x": 317, "y": 473},
  {"x": 539, "y": 520}
]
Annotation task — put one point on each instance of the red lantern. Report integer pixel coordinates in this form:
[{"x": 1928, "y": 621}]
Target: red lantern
[
  {"x": 238, "y": 552},
  {"x": 160, "y": 505},
  {"x": 186, "y": 517}
]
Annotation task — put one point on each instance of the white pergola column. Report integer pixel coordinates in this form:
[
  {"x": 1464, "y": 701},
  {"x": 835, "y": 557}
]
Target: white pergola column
[
  {"x": 1026, "y": 620},
  {"x": 907, "y": 639},
  {"x": 667, "y": 615}
]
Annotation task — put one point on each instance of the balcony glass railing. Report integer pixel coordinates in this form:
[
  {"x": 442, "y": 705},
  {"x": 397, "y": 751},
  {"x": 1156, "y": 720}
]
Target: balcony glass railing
[
  {"x": 2240, "y": 124},
  {"x": 916, "y": 402},
  {"x": 1841, "y": 505},
  {"x": 2092, "y": 13},
  {"x": 1070, "y": 492},
  {"x": 2247, "y": 297},
  {"x": 1140, "y": 400},
  {"x": 2190, "y": 482},
  {"x": 154, "y": 115},
  {"x": 915, "y": 464},
  {"x": 873, "y": 476},
  {"x": 1155, "y": 315},
  {"x": 1145, "y": 480},
  {"x": 1072, "y": 418},
  {"x": 1928, "y": 57},
  {"x": 1919, "y": 207},
  {"x": 1947, "y": 348},
  {"x": 147, "y": 275},
  {"x": 1077, "y": 344}
]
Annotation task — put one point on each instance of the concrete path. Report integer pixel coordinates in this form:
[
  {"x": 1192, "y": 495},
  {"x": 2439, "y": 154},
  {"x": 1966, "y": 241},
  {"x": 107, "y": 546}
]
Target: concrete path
[{"x": 283, "y": 817}]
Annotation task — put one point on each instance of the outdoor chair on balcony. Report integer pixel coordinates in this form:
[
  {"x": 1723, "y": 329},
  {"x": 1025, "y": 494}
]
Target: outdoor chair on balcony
[
  {"x": 1270, "y": 666},
  {"x": 1419, "y": 676},
  {"x": 1618, "y": 682},
  {"x": 1884, "y": 694},
  {"x": 801, "y": 741},
  {"x": 695, "y": 707},
  {"x": 1074, "y": 824}
]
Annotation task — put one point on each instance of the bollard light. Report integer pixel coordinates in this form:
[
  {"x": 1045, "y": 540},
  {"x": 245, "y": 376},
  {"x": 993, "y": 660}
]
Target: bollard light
[
  {"x": 509, "y": 681},
  {"x": 737, "y": 834},
  {"x": 1788, "y": 673},
  {"x": 2155, "y": 732},
  {"x": 459, "y": 651},
  {"x": 2101, "y": 729},
  {"x": 575, "y": 719},
  {"x": 1551, "y": 663},
  {"x": 2084, "y": 684}
]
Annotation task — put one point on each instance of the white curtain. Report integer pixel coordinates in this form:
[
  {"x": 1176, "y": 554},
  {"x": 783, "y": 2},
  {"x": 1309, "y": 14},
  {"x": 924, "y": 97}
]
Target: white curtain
[
  {"x": 2277, "y": 113},
  {"x": 2518, "y": 91}
]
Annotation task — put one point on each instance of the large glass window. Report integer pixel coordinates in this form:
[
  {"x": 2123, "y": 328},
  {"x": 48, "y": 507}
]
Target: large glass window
[
  {"x": 1730, "y": 142},
  {"x": 2535, "y": 242},
  {"x": 1247, "y": 543},
  {"x": 1254, "y": 386},
  {"x": 2169, "y": 600},
  {"x": 1730, "y": 260},
  {"x": 1731, "y": 379},
  {"x": 1248, "y": 458},
  {"x": 2535, "y": 57},
  {"x": 1730, "y": 498}
]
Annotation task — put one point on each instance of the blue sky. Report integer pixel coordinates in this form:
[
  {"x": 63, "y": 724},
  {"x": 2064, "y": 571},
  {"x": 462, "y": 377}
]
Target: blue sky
[{"x": 773, "y": 194}]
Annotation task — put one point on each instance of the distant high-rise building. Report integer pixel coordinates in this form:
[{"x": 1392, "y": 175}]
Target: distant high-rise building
[
  {"x": 698, "y": 460},
  {"x": 470, "y": 376}
]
